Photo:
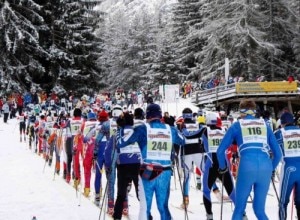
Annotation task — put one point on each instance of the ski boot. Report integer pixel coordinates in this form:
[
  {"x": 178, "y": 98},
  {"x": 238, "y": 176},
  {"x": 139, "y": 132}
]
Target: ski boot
[
  {"x": 110, "y": 207},
  {"x": 245, "y": 216},
  {"x": 21, "y": 139},
  {"x": 209, "y": 216},
  {"x": 86, "y": 192},
  {"x": 125, "y": 212},
  {"x": 110, "y": 211},
  {"x": 76, "y": 183},
  {"x": 198, "y": 186},
  {"x": 50, "y": 161},
  {"x": 97, "y": 200},
  {"x": 57, "y": 167},
  {"x": 125, "y": 209}
]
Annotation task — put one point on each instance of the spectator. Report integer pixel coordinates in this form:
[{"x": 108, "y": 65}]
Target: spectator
[{"x": 290, "y": 78}]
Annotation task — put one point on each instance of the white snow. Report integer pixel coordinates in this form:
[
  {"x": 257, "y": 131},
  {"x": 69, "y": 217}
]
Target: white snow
[{"x": 27, "y": 189}]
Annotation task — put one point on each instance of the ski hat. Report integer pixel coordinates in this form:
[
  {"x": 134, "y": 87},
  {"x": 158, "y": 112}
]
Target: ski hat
[
  {"x": 139, "y": 113},
  {"x": 201, "y": 120},
  {"x": 153, "y": 111},
  {"x": 103, "y": 116},
  {"x": 187, "y": 113},
  {"x": 287, "y": 118},
  {"x": 211, "y": 118},
  {"x": 77, "y": 112},
  {"x": 91, "y": 116},
  {"x": 247, "y": 107},
  {"x": 116, "y": 111}
]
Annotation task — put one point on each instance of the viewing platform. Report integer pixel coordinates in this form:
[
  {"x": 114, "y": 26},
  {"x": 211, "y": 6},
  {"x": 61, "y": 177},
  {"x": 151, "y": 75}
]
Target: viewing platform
[{"x": 277, "y": 94}]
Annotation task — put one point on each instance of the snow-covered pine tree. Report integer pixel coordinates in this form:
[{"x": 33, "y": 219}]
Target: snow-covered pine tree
[
  {"x": 254, "y": 39},
  {"x": 69, "y": 37},
  {"x": 19, "y": 44},
  {"x": 163, "y": 69},
  {"x": 186, "y": 42}
]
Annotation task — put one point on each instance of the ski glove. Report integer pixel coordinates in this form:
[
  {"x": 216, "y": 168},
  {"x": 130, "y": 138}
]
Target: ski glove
[{"x": 223, "y": 171}]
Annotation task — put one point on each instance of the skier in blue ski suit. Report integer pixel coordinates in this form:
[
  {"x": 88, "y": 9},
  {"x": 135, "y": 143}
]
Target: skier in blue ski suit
[
  {"x": 100, "y": 145},
  {"x": 128, "y": 166},
  {"x": 288, "y": 138},
  {"x": 105, "y": 152},
  {"x": 211, "y": 138},
  {"x": 155, "y": 140},
  {"x": 255, "y": 140}
]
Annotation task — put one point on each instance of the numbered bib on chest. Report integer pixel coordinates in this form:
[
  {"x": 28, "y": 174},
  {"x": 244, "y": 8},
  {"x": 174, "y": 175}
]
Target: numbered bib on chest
[
  {"x": 88, "y": 126},
  {"x": 76, "y": 127},
  {"x": 254, "y": 131},
  {"x": 132, "y": 148},
  {"x": 291, "y": 142},
  {"x": 159, "y": 143},
  {"x": 191, "y": 128},
  {"x": 214, "y": 139}
]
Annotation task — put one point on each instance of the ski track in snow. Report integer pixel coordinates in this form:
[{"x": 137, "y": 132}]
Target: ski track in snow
[{"x": 27, "y": 191}]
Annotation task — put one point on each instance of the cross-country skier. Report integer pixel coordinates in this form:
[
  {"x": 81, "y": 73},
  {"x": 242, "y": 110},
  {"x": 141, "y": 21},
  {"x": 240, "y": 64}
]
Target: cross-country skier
[
  {"x": 22, "y": 125},
  {"x": 89, "y": 139},
  {"x": 255, "y": 140},
  {"x": 108, "y": 131},
  {"x": 106, "y": 128},
  {"x": 288, "y": 138},
  {"x": 191, "y": 153},
  {"x": 72, "y": 128},
  {"x": 30, "y": 128},
  {"x": 128, "y": 166},
  {"x": 211, "y": 138},
  {"x": 155, "y": 140}
]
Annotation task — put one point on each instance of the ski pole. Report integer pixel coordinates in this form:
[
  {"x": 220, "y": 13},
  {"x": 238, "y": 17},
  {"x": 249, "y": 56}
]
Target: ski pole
[
  {"x": 106, "y": 187},
  {"x": 222, "y": 193},
  {"x": 174, "y": 177},
  {"x": 181, "y": 187},
  {"x": 80, "y": 190},
  {"x": 103, "y": 200},
  {"x": 273, "y": 183}
]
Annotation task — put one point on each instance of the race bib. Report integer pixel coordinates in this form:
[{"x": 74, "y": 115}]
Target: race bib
[
  {"x": 291, "y": 142},
  {"x": 159, "y": 144},
  {"x": 254, "y": 131}
]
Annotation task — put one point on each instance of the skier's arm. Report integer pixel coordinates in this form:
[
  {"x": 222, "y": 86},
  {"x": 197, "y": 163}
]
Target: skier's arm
[
  {"x": 225, "y": 143},
  {"x": 277, "y": 154}
]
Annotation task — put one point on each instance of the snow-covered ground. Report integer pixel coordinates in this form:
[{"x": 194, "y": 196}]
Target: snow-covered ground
[{"x": 29, "y": 189}]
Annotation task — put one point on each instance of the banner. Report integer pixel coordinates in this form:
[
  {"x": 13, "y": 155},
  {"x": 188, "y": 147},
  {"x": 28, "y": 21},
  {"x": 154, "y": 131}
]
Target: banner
[{"x": 259, "y": 87}]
